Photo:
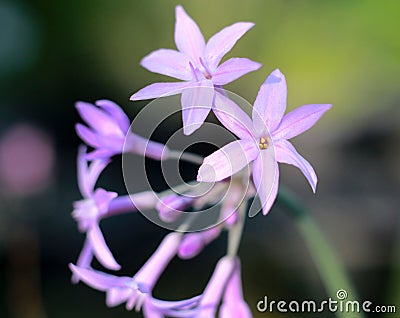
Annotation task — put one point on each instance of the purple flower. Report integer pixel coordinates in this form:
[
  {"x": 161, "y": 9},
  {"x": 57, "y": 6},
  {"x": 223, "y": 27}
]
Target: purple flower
[
  {"x": 197, "y": 64},
  {"x": 215, "y": 288},
  {"x": 88, "y": 212},
  {"x": 109, "y": 128},
  {"x": 170, "y": 207},
  {"x": 193, "y": 243},
  {"x": 233, "y": 305},
  {"x": 263, "y": 140}
]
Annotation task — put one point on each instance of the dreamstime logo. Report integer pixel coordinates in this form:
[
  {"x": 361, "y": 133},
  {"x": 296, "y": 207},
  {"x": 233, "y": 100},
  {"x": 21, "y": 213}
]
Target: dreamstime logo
[
  {"x": 342, "y": 304},
  {"x": 157, "y": 117}
]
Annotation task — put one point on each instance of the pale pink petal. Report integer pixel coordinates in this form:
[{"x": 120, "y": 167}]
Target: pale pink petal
[
  {"x": 101, "y": 153},
  {"x": 102, "y": 199},
  {"x": 223, "y": 41},
  {"x": 300, "y": 120},
  {"x": 87, "y": 135},
  {"x": 115, "y": 112},
  {"x": 214, "y": 289},
  {"x": 157, "y": 90},
  {"x": 84, "y": 185},
  {"x": 286, "y": 153},
  {"x": 100, "y": 248},
  {"x": 270, "y": 103},
  {"x": 97, "y": 119},
  {"x": 232, "y": 116},
  {"x": 149, "y": 311},
  {"x": 94, "y": 171},
  {"x": 99, "y": 280},
  {"x": 84, "y": 260},
  {"x": 171, "y": 207},
  {"x": 193, "y": 243},
  {"x": 227, "y": 161},
  {"x": 232, "y": 69},
  {"x": 145, "y": 147},
  {"x": 168, "y": 62},
  {"x": 188, "y": 37},
  {"x": 117, "y": 295},
  {"x": 234, "y": 305},
  {"x": 196, "y": 105},
  {"x": 266, "y": 179}
]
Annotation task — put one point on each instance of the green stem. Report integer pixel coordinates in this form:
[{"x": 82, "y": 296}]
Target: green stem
[{"x": 330, "y": 269}]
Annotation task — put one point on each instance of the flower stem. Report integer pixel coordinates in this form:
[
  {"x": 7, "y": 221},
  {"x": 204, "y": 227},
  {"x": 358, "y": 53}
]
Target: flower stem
[{"x": 330, "y": 269}]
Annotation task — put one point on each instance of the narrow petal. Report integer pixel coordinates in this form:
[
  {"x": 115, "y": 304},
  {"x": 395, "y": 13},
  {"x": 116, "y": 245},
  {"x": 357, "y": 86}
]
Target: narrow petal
[
  {"x": 102, "y": 199},
  {"x": 84, "y": 260},
  {"x": 232, "y": 69},
  {"x": 300, "y": 120},
  {"x": 270, "y": 103},
  {"x": 145, "y": 147},
  {"x": 97, "y": 119},
  {"x": 196, "y": 105},
  {"x": 266, "y": 179},
  {"x": 157, "y": 90},
  {"x": 84, "y": 186},
  {"x": 227, "y": 161},
  {"x": 188, "y": 37},
  {"x": 98, "y": 280},
  {"x": 149, "y": 311},
  {"x": 100, "y": 248},
  {"x": 115, "y": 112},
  {"x": 286, "y": 153},
  {"x": 87, "y": 135},
  {"x": 232, "y": 117},
  {"x": 223, "y": 41},
  {"x": 168, "y": 62},
  {"x": 100, "y": 154},
  {"x": 94, "y": 171},
  {"x": 117, "y": 295}
]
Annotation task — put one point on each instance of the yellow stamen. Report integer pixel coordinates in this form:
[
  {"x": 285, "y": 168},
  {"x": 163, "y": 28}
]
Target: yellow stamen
[{"x": 263, "y": 143}]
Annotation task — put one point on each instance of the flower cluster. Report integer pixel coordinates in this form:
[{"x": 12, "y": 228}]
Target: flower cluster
[{"x": 262, "y": 143}]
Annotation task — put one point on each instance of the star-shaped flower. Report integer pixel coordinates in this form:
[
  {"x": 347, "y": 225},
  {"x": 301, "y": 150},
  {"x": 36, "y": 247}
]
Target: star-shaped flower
[
  {"x": 263, "y": 139},
  {"x": 197, "y": 65}
]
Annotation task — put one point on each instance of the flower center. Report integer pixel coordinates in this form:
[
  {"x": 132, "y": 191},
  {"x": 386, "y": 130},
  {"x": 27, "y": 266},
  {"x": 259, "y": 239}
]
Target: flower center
[{"x": 263, "y": 143}]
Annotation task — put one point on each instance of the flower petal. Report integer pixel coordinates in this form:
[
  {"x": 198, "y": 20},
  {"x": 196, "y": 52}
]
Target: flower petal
[
  {"x": 196, "y": 105},
  {"x": 100, "y": 248},
  {"x": 84, "y": 260},
  {"x": 97, "y": 119},
  {"x": 157, "y": 90},
  {"x": 168, "y": 62},
  {"x": 223, "y": 41},
  {"x": 188, "y": 37},
  {"x": 286, "y": 153},
  {"x": 232, "y": 69},
  {"x": 270, "y": 103},
  {"x": 115, "y": 112},
  {"x": 300, "y": 120},
  {"x": 227, "y": 161},
  {"x": 266, "y": 180},
  {"x": 232, "y": 116},
  {"x": 98, "y": 280},
  {"x": 85, "y": 187},
  {"x": 117, "y": 295}
]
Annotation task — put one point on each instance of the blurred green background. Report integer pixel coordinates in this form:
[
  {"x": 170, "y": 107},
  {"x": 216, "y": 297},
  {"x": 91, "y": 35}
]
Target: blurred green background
[{"x": 53, "y": 53}]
